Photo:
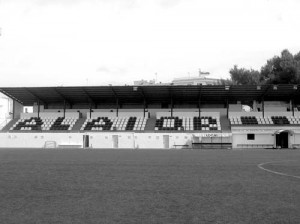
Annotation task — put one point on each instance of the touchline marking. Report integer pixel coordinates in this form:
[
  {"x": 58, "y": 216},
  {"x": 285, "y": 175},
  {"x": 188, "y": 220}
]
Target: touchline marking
[{"x": 260, "y": 166}]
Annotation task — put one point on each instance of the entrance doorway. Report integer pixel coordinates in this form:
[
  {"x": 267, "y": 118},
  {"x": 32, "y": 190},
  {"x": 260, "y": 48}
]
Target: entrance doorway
[
  {"x": 282, "y": 139},
  {"x": 86, "y": 141},
  {"x": 166, "y": 141},
  {"x": 115, "y": 139}
]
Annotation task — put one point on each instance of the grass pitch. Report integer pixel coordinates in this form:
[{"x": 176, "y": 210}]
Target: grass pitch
[{"x": 148, "y": 186}]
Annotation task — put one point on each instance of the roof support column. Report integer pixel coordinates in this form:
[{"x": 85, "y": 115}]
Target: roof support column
[
  {"x": 144, "y": 108},
  {"x": 90, "y": 111},
  {"x": 39, "y": 108},
  {"x": 293, "y": 106},
  {"x": 263, "y": 107},
  {"x": 227, "y": 107},
  {"x": 171, "y": 107},
  {"x": 117, "y": 107},
  {"x": 199, "y": 100},
  {"x": 199, "y": 107},
  {"x": 64, "y": 108}
]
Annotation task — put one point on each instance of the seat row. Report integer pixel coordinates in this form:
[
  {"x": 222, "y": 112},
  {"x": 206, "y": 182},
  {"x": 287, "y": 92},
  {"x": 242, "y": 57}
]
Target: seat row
[
  {"x": 44, "y": 124},
  {"x": 268, "y": 120},
  {"x": 187, "y": 123},
  {"x": 115, "y": 123}
]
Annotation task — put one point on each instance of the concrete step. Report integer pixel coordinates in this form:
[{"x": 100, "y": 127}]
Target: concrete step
[
  {"x": 225, "y": 124},
  {"x": 150, "y": 125},
  {"x": 78, "y": 124}
]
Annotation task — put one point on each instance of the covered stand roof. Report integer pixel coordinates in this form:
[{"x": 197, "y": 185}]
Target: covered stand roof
[{"x": 151, "y": 94}]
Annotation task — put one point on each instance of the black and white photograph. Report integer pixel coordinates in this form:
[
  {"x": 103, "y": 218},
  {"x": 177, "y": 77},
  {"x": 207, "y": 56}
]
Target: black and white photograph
[{"x": 149, "y": 111}]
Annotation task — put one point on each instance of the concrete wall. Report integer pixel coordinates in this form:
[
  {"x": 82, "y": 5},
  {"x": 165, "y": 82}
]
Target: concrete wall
[
  {"x": 263, "y": 135},
  {"x": 188, "y": 114},
  {"x": 106, "y": 139},
  {"x": 260, "y": 114},
  {"x": 37, "y": 140},
  {"x": 235, "y": 107},
  {"x": 241, "y": 139},
  {"x": 17, "y": 109},
  {"x": 239, "y": 114},
  {"x": 50, "y": 114}
]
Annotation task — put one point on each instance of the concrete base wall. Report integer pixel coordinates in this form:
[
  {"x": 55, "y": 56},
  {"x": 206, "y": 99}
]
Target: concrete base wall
[{"x": 108, "y": 139}]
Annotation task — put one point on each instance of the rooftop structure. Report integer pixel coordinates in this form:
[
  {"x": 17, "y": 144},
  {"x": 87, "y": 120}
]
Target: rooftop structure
[{"x": 202, "y": 79}]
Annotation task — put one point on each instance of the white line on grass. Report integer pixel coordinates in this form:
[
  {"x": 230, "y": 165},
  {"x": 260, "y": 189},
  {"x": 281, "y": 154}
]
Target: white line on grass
[{"x": 260, "y": 166}]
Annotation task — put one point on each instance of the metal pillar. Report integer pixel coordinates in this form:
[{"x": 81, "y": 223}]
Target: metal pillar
[
  {"x": 64, "y": 108},
  {"x": 38, "y": 109},
  {"x": 263, "y": 107}
]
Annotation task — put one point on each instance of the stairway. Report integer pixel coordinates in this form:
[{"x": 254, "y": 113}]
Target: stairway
[
  {"x": 9, "y": 125},
  {"x": 78, "y": 124},
  {"x": 225, "y": 124},
  {"x": 150, "y": 125}
]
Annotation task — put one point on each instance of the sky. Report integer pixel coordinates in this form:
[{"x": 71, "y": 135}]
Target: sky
[{"x": 101, "y": 42}]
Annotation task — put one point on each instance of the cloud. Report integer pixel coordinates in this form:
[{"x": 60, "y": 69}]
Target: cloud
[
  {"x": 169, "y": 3},
  {"x": 119, "y": 3},
  {"x": 111, "y": 70}
]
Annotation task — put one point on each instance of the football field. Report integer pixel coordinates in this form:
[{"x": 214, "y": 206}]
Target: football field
[{"x": 149, "y": 186}]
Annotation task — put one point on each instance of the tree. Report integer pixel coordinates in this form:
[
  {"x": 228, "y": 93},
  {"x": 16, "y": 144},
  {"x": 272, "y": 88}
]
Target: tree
[
  {"x": 226, "y": 82},
  {"x": 242, "y": 76},
  {"x": 282, "y": 70}
]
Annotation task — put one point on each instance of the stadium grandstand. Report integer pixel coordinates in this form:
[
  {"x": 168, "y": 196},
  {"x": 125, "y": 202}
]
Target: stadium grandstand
[{"x": 164, "y": 116}]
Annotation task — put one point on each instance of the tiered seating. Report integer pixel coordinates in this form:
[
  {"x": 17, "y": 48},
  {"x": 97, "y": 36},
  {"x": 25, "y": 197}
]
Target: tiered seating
[
  {"x": 168, "y": 123},
  {"x": 62, "y": 124},
  {"x": 247, "y": 120},
  {"x": 268, "y": 120},
  {"x": 294, "y": 120},
  {"x": 187, "y": 123},
  {"x": 116, "y": 123},
  {"x": 97, "y": 124},
  {"x": 33, "y": 123},
  {"x": 44, "y": 124},
  {"x": 280, "y": 120},
  {"x": 138, "y": 124},
  {"x": 206, "y": 123}
]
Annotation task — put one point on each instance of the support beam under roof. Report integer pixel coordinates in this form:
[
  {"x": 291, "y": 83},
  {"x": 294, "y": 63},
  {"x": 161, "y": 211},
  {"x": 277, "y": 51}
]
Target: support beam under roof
[
  {"x": 91, "y": 100},
  {"x": 36, "y": 96},
  {"x": 63, "y": 97}
]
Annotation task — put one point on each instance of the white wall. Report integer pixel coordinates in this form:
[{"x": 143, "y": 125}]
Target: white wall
[
  {"x": 101, "y": 114},
  {"x": 274, "y": 113},
  {"x": 114, "y": 114},
  {"x": 188, "y": 114},
  {"x": 102, "y": 140},
  {"x": 235, "y": 107},
  {"x": 153, "y": 111},
  {"x": 270, "y": 113},
  {"x": 37, "y": 140},
  {"x": 49, "y": 114},
  {"x": 238, "y": 114},
  {"x": 241, "y": 138},
  {"x": 221, "y": 111},
  {"x": 28, "y": 115}
]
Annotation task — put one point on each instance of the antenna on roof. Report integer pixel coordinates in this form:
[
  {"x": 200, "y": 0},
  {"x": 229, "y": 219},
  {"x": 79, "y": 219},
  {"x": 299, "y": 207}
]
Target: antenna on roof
[{"x": 202, "y": 73}]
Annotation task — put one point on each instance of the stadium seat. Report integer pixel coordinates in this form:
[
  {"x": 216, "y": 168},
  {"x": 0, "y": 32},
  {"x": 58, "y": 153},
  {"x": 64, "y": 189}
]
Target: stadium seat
[
  {"x": 114, "y": 124},
  {"x": 187, "y": 123},
  {"x": 44, "y": 124},
  {"x": 268, "y": 120}
]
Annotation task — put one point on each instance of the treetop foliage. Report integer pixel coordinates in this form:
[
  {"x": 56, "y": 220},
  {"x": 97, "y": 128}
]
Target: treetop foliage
[{"x": 283, "y": 69}]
